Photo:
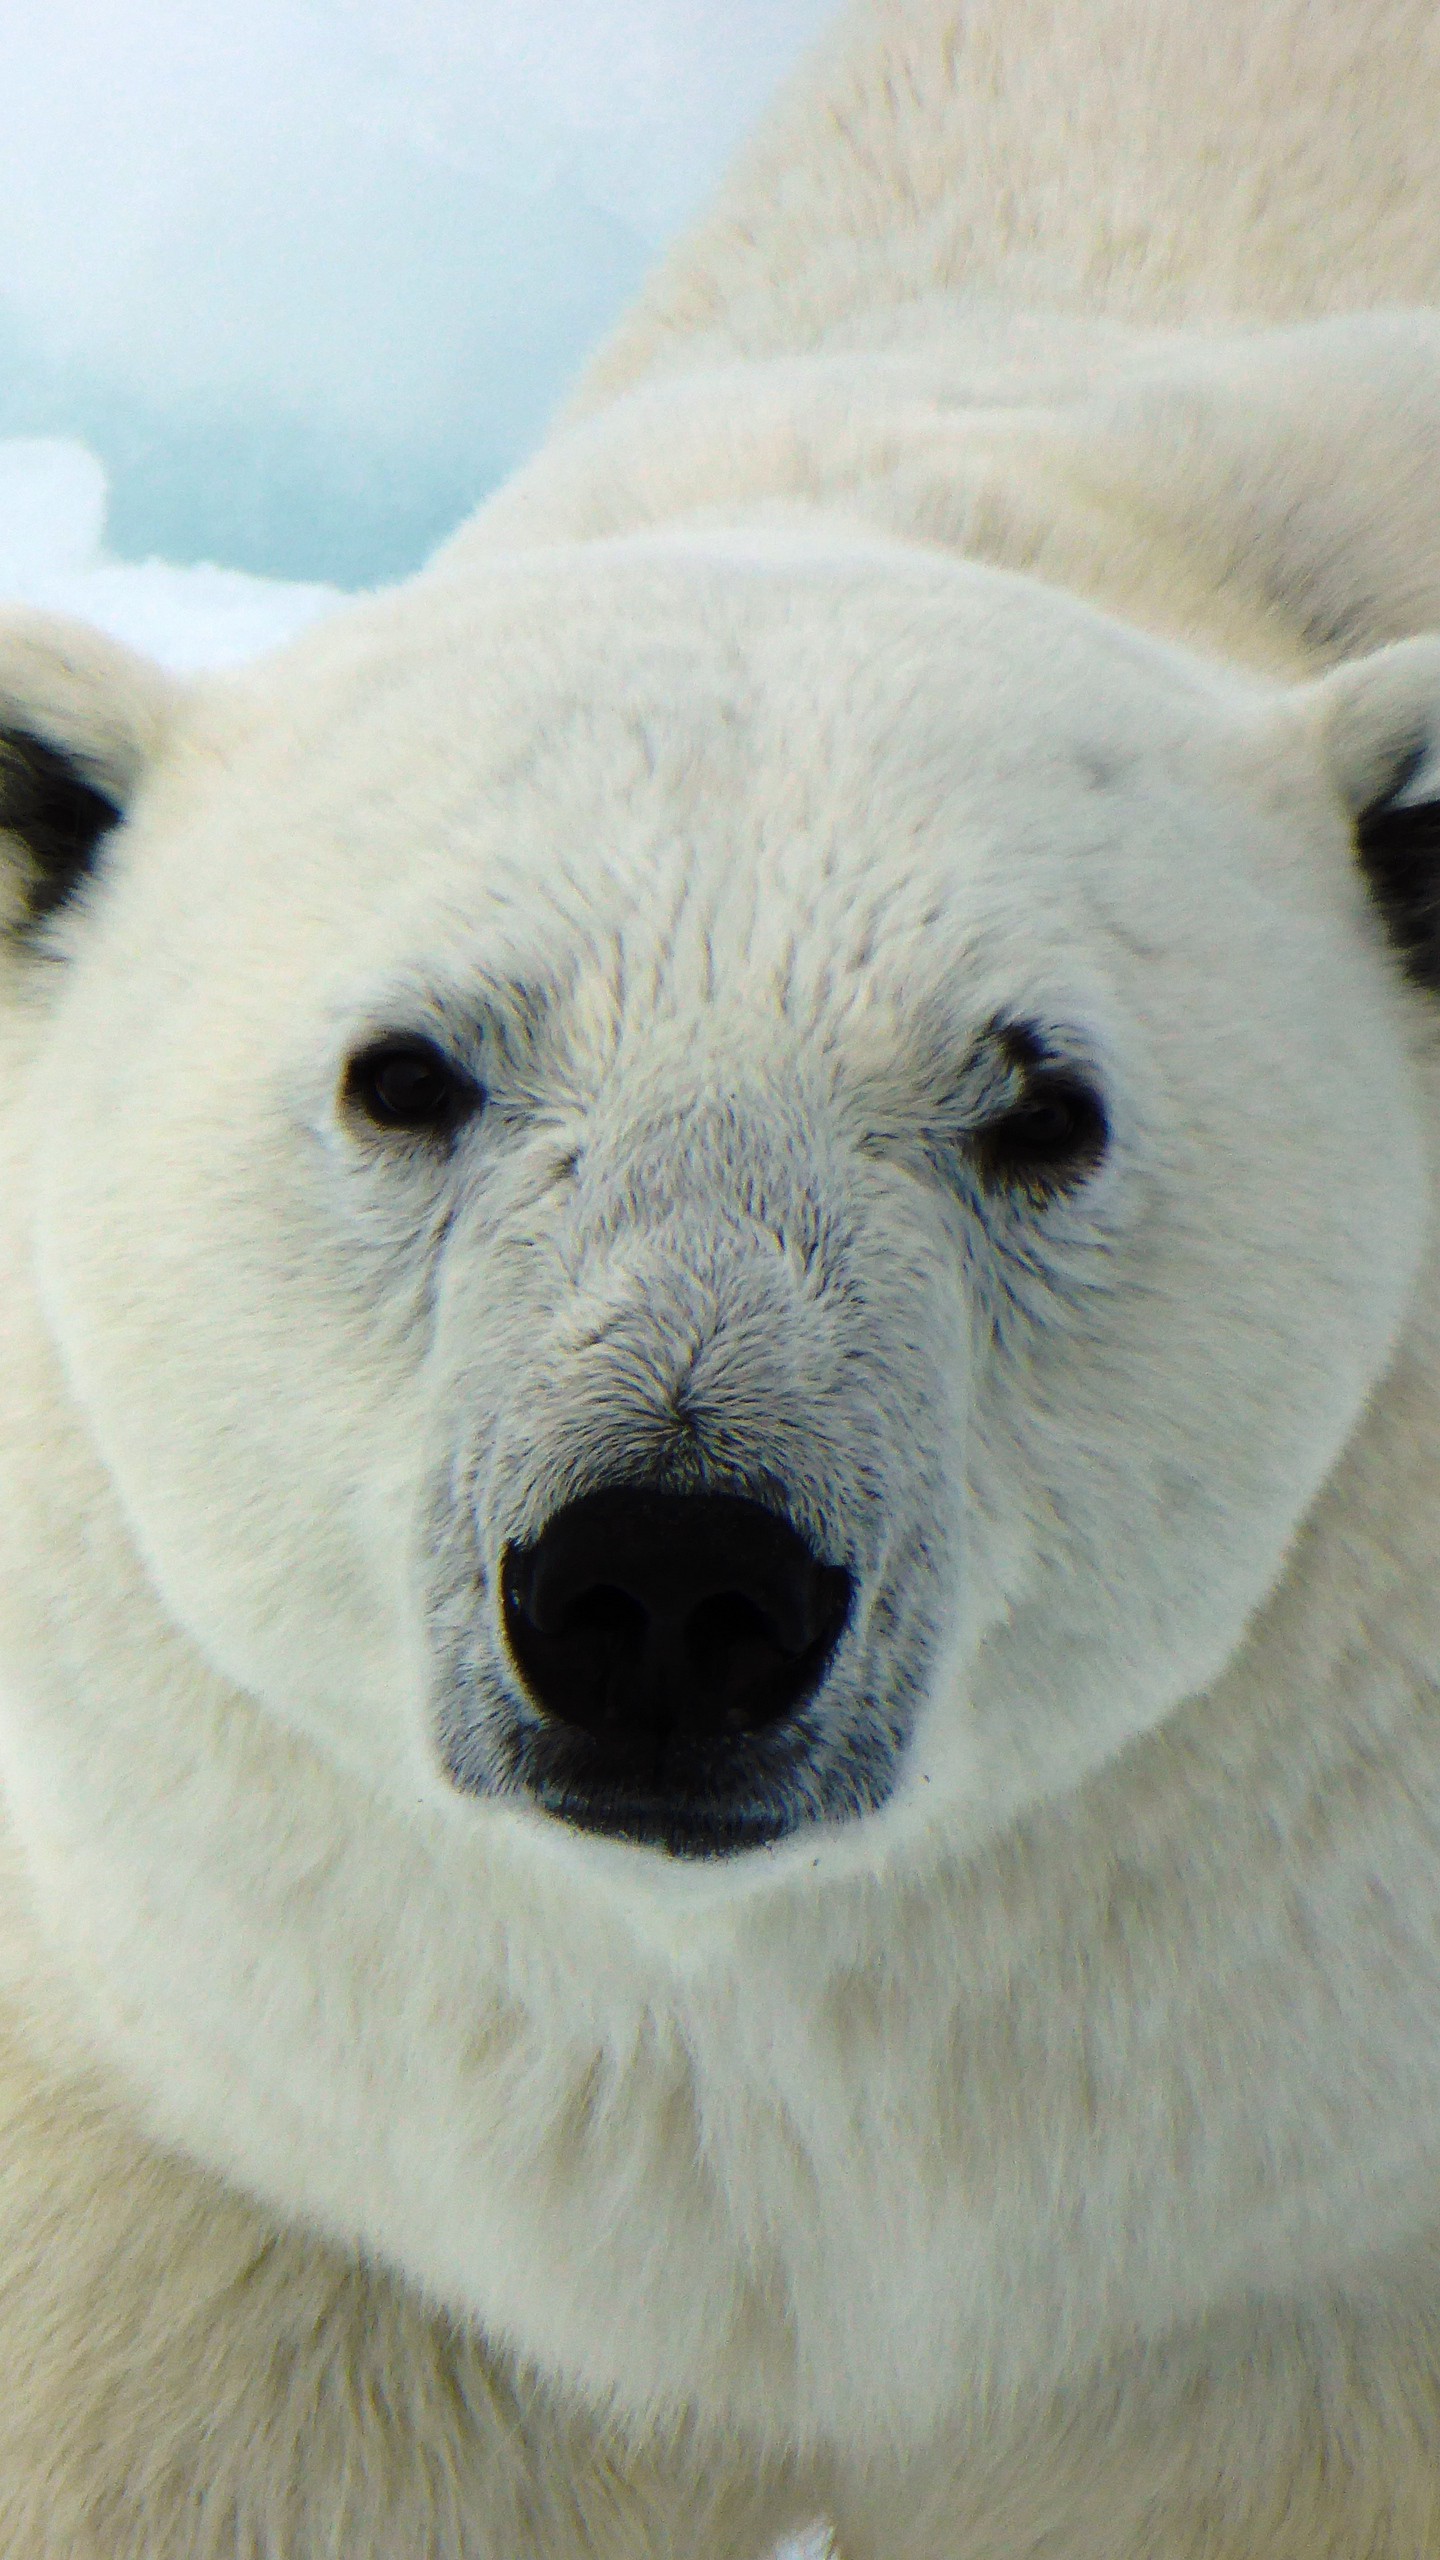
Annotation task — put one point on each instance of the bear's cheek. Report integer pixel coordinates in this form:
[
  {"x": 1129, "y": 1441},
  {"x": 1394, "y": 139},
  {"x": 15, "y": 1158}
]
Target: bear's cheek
[
  {"x": 261, "y": 1434},
  {"x": 1175, "y": 1437}
]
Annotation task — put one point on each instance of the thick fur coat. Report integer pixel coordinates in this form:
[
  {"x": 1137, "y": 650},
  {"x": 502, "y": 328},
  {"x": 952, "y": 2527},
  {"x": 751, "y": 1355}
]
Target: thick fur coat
[{"x": 862, "y": 945}]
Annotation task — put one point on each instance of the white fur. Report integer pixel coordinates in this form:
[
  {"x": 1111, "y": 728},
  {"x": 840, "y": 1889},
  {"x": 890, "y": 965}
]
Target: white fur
[{"x": 1044, "y": 2161}]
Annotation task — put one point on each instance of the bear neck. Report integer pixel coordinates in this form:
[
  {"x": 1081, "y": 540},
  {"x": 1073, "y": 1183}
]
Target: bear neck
[{"x": 1202, "y": 490}]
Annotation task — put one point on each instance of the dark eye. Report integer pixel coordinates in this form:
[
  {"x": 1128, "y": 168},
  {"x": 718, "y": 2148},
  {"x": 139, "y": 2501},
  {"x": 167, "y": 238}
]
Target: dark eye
[
  {"x": 1053, "y": 1137},
  {"x": 410, "y": 1085}
]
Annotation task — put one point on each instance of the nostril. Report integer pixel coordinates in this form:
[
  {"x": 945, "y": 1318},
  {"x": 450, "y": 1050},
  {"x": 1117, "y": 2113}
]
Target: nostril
[
  {"x": 726, "y": 1628},
  {"x": 735, "y": 1651},
  {"x": 576, "y": 1650},
  {"x": 604, "y": 1616},
  {"x": 646, "y": 1618}
]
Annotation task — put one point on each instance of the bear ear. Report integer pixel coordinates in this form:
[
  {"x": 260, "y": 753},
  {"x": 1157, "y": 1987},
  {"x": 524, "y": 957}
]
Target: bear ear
[
  {"x": 81, "y": 721},
  {"x": 1381, "y": 718}
]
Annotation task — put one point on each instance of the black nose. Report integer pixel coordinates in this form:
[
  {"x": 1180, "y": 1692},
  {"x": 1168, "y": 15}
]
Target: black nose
[{"x": 652, "y": 1621}]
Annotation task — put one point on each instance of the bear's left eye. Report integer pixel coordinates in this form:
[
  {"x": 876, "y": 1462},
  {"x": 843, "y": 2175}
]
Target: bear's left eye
[
  {"x": 410, "y": 1085},
  {"x": 1052, "y": 1137}
]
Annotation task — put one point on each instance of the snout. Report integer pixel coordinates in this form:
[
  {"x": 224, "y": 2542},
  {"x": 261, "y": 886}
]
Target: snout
[
  {"x": 684, "y": 1555},
  {"x": 667, "y": 1644}
]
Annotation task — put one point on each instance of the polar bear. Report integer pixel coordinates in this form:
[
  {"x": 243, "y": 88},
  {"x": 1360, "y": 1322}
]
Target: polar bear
[{"x": 720, "y": 1402}]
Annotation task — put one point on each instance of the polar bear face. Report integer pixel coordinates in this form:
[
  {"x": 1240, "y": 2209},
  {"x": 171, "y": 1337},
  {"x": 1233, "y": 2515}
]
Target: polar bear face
[{"x": 716, "y": 1199}]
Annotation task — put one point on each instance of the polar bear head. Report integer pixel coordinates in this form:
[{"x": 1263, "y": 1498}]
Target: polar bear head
[{"x": 715, "y": 1196}]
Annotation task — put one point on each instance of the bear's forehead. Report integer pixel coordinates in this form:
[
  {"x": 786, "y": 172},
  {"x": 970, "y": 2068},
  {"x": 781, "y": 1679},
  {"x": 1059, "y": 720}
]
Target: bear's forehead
[
  {"x": 845, "y": 803},
  {"x": 635, "y": 733},
  {"x": 843, "y": 813},
  {"x": 670, "y": 672}
]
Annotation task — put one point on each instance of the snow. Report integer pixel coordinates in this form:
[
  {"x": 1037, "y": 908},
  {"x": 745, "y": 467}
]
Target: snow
[
  {"x": 53, "y": 500},
  {"x": 308, "y": 275},
  {"x": 306, "y": 278}
]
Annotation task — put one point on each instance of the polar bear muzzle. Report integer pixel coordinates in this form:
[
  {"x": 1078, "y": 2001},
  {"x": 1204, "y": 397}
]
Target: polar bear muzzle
[{"x": 658, "y": 1634}]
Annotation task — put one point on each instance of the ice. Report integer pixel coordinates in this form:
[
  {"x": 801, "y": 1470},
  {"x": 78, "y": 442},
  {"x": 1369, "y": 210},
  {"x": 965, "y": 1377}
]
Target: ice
[
  {"x": 308, "y": 276},
  {"x": 52, "y": 554},
  {"x": 52, "y": 511}
]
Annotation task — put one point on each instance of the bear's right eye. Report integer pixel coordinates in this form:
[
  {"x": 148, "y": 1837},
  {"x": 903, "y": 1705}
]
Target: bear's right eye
[
  {"x": 1051, "y": 1138},
  {"x": 410, "y": 1086}
]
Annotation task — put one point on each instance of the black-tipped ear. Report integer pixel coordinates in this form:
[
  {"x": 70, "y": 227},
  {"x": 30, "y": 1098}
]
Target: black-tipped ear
[
  {"x": 81, "y": 720},
  {"x": 1381, "y": 724},
  {"x": 1398, "y": 840},
  {"x": 55, "y": 821}
]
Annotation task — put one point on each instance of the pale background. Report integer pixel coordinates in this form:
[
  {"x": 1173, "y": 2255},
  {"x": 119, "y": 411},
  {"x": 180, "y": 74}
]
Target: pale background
[{"x": 308, "y": 275}]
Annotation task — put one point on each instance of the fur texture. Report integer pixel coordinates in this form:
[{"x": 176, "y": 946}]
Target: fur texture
[{"x": 906, "y": 835}]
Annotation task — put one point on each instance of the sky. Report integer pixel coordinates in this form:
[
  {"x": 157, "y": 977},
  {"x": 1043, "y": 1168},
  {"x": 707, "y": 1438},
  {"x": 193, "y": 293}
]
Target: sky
[{"x": 307, "y": 276}]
